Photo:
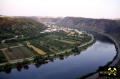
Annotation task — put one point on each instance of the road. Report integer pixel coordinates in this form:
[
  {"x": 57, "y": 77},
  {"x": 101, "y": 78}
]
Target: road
[
  {"x": 92, "y": 39},
  {"x": 19, "y": 45}
]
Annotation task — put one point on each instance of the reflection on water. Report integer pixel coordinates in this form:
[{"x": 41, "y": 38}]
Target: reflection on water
[{"x": 67, "y": 67}]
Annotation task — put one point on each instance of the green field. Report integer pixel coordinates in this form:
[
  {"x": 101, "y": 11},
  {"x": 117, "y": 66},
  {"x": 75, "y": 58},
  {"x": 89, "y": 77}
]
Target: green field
[
  {"x": 2, "y": 57},
  {"x": 18, "y": 53},
  {"x": 56, "y": 42}
]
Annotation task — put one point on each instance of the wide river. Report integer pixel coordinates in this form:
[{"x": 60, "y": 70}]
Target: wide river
[{"x": 71, "y": 67}]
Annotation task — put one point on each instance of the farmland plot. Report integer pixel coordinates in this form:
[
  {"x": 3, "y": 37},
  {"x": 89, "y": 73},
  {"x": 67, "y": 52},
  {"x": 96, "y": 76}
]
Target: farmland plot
[
  {"x": 18, "y": 53},
  {"x": 2, "y": 57}
]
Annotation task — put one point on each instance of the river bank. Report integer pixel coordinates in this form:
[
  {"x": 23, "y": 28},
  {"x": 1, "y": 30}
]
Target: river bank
[{"x": 114, "y": 62}]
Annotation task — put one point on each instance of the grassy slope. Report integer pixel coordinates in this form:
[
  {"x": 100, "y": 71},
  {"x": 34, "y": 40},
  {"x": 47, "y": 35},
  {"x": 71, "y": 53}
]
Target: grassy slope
[{"x": 11, "y": 26}]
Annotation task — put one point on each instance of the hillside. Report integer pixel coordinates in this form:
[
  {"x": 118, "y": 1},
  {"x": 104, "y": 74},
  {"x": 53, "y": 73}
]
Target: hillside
[
  {"x": 12, "y": 26},
  {"x": 45, "y": 19},
  {"x": 111, "y": 27},
  {"x": 89, "y": 24}
]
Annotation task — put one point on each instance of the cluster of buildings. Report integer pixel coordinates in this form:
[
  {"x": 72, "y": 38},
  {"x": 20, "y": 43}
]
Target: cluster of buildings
[{"x": 53, "y": 27}]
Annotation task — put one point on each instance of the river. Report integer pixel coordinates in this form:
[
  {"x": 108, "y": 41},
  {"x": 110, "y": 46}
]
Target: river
[{"x": 71, "y": 67}]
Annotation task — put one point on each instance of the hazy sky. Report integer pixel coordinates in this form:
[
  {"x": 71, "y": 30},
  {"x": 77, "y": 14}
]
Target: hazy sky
[{"x": 56, "y": 8}]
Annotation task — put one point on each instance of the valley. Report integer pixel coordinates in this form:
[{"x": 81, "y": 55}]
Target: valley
[{"x": 29, "y": 42}]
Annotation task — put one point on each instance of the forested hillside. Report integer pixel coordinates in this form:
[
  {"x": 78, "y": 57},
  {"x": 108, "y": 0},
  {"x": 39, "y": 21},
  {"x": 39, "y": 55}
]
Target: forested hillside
[{"x": 12, "y": 26}]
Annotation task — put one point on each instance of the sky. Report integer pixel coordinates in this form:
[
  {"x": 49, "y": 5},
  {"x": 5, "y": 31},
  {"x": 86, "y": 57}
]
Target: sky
[{"x": 61, "y": 8}]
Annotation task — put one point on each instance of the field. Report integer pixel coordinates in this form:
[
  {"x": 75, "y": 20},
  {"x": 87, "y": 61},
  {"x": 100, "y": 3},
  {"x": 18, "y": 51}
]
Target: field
[
  {"x": 46, "y": 44},
  {"x": 37, "y": 50},
  {"x": 56, "y": 42},
  {"x": 17, "y": 53},
  {"x": 2, "y": 57}
]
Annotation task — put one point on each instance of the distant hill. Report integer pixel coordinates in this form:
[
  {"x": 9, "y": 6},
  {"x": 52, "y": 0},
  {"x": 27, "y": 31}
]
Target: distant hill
[
  {"x": 45, "y": 19},
  {"x": 99, "y": 25},
  {"x": 11, "y": 26},
  {"x": 103, "y": 25},
  {"x": 111, "y": 27}
]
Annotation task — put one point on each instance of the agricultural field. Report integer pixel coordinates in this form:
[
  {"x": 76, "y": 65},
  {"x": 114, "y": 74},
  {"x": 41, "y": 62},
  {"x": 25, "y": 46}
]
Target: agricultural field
[
  {"x": 56, "y": 42},
  {"x": 37, "y": 50},
  {"x": 17, "y": 52},
  {"x": 2, "y": 57},
  {"x": 46, "y": 44},
  {"x": 20, "y": 53}
]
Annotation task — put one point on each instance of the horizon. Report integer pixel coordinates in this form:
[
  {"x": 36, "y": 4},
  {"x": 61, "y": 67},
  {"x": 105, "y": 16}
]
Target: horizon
[
  {"x": 60, "y": 17},
  {"x": 98, "y": 9}
]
